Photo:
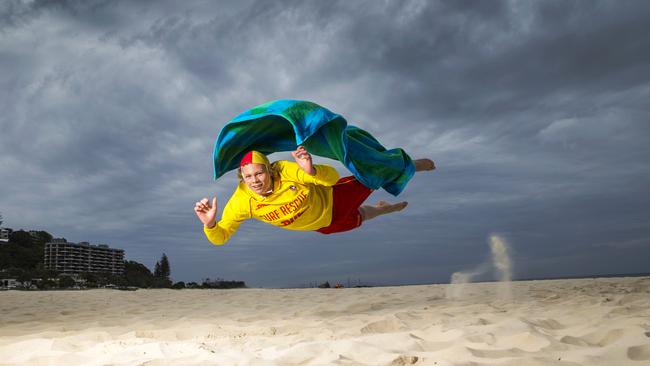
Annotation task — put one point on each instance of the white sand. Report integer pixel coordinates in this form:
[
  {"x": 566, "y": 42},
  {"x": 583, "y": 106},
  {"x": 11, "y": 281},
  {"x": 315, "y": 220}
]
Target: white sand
[{"x": 563, "y": 322}]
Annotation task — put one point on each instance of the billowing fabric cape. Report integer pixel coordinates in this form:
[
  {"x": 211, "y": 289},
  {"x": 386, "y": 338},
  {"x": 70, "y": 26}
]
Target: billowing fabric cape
[{"x": 282, "y": 125}]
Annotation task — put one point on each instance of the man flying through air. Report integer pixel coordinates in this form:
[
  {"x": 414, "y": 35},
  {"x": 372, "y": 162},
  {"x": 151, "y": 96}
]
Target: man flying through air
[{"x": 294, "y": 196}]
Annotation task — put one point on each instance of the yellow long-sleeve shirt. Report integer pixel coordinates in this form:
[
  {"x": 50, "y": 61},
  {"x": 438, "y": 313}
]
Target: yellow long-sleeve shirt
[{"x": 299, "y": 202}]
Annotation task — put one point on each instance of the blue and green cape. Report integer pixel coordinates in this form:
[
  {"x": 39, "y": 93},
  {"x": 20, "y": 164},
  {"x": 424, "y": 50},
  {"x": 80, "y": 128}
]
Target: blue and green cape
[{"x": 283, "y": 125}]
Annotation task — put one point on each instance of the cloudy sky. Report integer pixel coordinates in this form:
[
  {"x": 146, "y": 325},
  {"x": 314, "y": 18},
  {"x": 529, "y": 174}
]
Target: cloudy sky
[{"x": 536, "y": 113}]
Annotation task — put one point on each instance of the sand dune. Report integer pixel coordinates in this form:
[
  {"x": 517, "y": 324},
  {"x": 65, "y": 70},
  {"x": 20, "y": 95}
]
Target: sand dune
[{"x": 561, "y": 322}]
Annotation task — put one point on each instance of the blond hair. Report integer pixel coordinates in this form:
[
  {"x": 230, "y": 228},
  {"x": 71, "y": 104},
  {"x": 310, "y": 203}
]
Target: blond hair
[{"x": 272, "y": 168}]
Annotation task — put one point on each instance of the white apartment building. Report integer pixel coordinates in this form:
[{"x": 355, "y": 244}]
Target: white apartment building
[{"x": 74, "y": 258}]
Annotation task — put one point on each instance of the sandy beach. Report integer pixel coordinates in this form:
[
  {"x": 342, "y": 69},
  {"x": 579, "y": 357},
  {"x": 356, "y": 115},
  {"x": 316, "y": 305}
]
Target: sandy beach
[{"x": 555, "y": 322}]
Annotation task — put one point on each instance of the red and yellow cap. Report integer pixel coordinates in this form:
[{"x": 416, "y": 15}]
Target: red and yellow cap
[{"x": 254, "y": 157}]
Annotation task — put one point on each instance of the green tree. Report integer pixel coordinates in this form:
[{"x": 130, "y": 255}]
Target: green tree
[
  {"x": 91, "y": 279},
  {"x": 164, "y": 266},
  {"x": 161, "y": 273},
  {"x": 138, "y": 275},
  {"x": 23, "y": 276},
  {"x": 24, "y": 251},
  {"x": 21, "y": 237},
  {"x": 46, "y": 284},
  {"x": 165, "y": 271},
  {"x": 66, "y": 282},
  {"x": 41, "y": 238},
  {"x": 156, "y": 271}
]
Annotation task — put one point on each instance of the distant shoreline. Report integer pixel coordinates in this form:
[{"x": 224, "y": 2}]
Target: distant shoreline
[
  {"x": 642, "y": 274},
  {"x": 619, "y": 275},
  {"x": 595, "y": 276}
]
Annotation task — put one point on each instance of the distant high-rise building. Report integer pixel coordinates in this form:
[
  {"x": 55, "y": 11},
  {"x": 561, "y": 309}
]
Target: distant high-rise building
[
  {"x": 4, "y": 234},
  {"x": 70, "y": 258}
]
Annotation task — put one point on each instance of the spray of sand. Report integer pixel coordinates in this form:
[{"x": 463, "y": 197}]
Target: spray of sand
[{"x": 500, "y": 263}]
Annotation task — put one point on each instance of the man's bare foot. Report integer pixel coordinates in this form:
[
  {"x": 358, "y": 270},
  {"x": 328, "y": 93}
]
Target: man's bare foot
[
  {"x": 381, "y": 208},
  {"x": 424, "y": 164}
]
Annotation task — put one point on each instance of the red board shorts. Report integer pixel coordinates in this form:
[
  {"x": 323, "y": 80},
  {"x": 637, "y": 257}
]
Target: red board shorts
[{"x": 348, "y": 194}]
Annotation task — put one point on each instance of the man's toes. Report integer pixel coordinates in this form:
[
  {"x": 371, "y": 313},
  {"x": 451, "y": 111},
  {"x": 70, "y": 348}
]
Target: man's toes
[{"x": 398, "y": 206}]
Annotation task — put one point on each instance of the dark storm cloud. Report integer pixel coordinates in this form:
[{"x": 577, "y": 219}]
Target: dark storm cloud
[{"x": 535, "y": 112}]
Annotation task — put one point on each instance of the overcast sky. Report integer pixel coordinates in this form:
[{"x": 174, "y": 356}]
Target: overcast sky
[{"x": 536, "y": 113}]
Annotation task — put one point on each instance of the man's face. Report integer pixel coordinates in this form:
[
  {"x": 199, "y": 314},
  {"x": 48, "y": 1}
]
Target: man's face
[{"x": 256, "y": 178}]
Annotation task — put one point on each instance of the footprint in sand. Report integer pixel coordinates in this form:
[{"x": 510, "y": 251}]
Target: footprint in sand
[
  {"x": 404, "y": 360},
  {"x": 639, "y": 353},
  {"x": 495, "y": 353},
  {"x": 549, "y": 324},
  {"x": 487, "y": 338},
  {"x": 596, "y": 339},
  {"x": 411, "y": 320},
  {"x": 387, "y": 325}
]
